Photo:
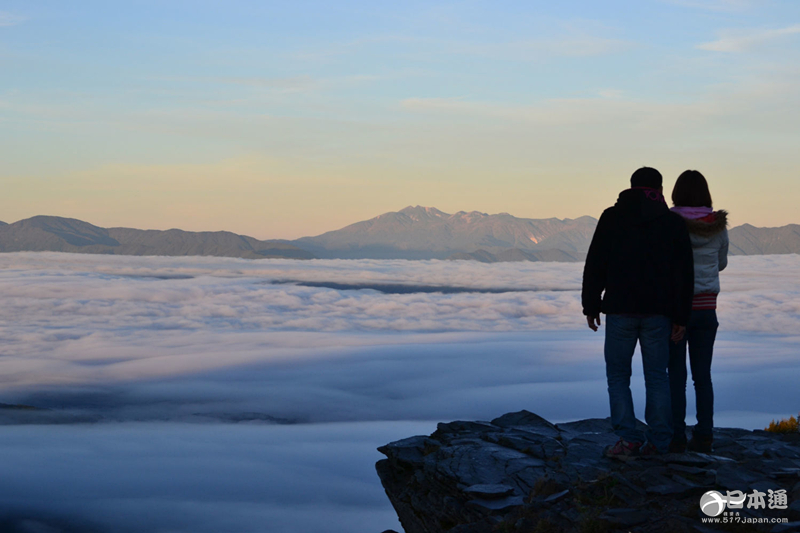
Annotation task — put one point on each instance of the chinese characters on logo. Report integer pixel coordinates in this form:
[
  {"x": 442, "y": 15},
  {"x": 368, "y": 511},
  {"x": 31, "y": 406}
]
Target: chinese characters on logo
[{"x": 714, "y": 503}]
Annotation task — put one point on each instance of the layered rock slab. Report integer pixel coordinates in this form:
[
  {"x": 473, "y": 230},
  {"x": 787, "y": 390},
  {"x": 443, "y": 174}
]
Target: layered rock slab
[{"x": 521, "y": 473}]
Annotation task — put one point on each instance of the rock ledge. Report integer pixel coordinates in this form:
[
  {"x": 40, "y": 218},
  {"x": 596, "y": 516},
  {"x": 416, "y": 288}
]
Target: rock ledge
[{"x": 520, "y": 473}]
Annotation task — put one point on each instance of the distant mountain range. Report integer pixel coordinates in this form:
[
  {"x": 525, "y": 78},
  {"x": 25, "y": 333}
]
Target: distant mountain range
[
  {"x": 57, "y": 234},
  {"x": 411, "y": 233},
  {"x": 427, "y": 233},
  {"x": 750, "y": 240}
]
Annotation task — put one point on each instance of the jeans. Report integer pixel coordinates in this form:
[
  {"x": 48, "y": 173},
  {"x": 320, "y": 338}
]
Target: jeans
[
  {"x": 700, "y": 335},
  {"x": 652, "y": 333}
]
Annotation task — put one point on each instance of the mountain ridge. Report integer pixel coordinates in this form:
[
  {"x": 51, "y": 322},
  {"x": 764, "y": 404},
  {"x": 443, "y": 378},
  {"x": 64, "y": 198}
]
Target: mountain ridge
[
  {"x": 418, "y": 232},
  {"x": 750, "y": 240},
  {"x": 414, "y": 232},
  {"x": 60, "y": 234}
]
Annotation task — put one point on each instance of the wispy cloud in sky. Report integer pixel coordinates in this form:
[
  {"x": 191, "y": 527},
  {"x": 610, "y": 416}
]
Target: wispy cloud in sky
[
  {"x": 339, "y": 49},
  {"x": 571, "y": 45},
  {"x": 295, "y": 84},
  {"x": 567, "y": 42},
  {"x": 607, "y": 107},
  {"x": 292, "y": 84},
  {"x": 745, "y": 40},
  {"x": 10, "y": 19},
  {"x": 715, "y": 5}
]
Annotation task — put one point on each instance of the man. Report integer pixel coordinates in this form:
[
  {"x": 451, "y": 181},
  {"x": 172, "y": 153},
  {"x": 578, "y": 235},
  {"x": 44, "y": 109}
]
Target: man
[{"x": 641, "y": 256}]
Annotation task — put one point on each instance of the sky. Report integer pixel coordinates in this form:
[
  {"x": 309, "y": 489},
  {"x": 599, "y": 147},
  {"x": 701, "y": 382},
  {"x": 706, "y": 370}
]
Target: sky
[
  {"x": 286, "y": 119},
  {"x": 195, "y": 394}
]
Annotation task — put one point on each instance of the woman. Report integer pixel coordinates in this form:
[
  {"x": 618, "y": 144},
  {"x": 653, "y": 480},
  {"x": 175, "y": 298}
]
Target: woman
[{"x": 709, "y": 234}]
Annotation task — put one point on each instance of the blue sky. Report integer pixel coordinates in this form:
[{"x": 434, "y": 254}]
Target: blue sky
[{"x": 282, "y": 119}]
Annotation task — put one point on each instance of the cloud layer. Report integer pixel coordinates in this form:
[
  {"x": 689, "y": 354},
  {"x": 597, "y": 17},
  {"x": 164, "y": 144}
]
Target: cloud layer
[
  {"x": 137, "y": 477},
  {"x": 227, "y": 401}
]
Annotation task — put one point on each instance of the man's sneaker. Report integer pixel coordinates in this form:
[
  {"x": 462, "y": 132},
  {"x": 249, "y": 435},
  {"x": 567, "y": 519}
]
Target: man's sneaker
[
  {"x": 701, "y": 444},
  {"x": 623, "y": 450},
  {"x": 649, "y": 449}
]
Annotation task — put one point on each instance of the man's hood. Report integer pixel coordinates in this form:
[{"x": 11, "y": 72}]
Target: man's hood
[{"x": 642, "y": 204}]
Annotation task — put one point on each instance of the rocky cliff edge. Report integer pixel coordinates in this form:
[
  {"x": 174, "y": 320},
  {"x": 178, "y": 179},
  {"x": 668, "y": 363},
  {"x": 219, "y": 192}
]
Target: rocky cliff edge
[{"x": 520, "y": 473}]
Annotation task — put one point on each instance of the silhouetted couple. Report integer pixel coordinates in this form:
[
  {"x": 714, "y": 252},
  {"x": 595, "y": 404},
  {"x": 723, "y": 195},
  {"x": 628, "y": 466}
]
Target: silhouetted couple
[{"x": 654, "y": 272}]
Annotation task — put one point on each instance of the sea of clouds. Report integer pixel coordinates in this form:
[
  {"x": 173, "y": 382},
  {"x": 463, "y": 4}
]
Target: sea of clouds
[{"x": 217, "y": 394}]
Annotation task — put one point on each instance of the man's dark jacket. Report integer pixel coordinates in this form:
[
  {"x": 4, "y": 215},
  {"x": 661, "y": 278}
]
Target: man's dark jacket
[{"x": 641, "y": 256}]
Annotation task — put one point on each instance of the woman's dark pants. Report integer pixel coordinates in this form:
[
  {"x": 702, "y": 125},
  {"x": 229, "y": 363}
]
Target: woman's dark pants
[{"x": 700, "y": 334}]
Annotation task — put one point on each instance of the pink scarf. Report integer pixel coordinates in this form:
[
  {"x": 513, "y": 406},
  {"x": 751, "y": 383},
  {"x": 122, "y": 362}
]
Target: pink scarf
[
  {"x": 692, "y": 213},
  {"x": 652, "y": 194}
]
